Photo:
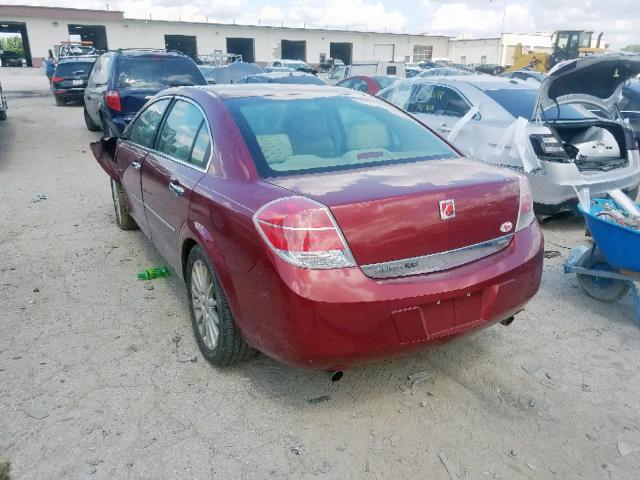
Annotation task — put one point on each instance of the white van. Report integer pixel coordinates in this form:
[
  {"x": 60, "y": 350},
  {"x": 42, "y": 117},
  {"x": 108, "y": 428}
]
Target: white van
[{"x": 366, "y": 68}]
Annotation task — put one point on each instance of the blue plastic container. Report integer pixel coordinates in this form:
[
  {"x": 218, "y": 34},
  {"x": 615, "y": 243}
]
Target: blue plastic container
[{"x": 620, "y": 245}]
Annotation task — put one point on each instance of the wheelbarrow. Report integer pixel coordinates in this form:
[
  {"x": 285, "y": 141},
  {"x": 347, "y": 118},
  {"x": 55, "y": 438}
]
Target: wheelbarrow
[{"x": 608, "y": 268}]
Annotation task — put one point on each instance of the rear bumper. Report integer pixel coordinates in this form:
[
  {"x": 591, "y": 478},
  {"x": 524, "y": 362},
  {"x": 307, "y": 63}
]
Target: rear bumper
[
  {"x": 556, "y": 187},
  {"x": 69, "y": 93},
  {"x": 336, "y": 319}
]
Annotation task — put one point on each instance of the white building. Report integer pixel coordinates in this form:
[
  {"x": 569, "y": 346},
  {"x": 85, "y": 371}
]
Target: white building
[
  {"x": 43, "y": 27},
  {"x": 498, "y": 50}
]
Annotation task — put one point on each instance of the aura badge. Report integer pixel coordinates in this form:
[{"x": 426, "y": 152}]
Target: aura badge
[{"x": 447, "y": 209}]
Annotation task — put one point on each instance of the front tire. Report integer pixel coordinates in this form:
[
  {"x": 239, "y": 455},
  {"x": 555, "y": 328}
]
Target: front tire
[
  {"x": 3, "y": 115},
  {"x": 218, "y": 338},
  {"x": 123, "y": 219}
]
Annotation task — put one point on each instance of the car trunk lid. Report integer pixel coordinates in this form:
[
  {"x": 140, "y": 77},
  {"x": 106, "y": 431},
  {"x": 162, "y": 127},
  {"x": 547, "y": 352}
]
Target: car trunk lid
[
  {"x": 394, "y": 212},
  {"x": 596, "y": 80}
]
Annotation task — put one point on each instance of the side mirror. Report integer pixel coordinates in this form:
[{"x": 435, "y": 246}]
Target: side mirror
[
  {"x": 314, "y": 71},
  {"x": 477, "y": 116}
]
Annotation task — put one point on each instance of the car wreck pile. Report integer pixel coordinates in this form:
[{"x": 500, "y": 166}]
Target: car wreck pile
[{"x": 563, "y": 133}]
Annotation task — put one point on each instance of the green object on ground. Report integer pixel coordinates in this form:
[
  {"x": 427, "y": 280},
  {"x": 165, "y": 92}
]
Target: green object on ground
[{"x": 151, "y": 273}]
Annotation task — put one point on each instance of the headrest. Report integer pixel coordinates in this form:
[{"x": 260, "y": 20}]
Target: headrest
[
  {"x": 276, "y": 148},
  {"x": 367, "y": 136}
]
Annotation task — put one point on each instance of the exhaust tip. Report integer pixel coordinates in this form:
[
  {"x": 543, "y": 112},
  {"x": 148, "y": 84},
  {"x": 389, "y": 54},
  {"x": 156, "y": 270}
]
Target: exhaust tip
[
  {"x": 508, "y": 321},
  {"x": 336, "y": 376}
]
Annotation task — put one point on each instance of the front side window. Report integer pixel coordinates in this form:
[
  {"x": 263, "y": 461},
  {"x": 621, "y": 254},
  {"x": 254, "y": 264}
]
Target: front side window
[
  {"x": 143, "y": 129},
  {"x": 302, "y": 135},
  {"x": 184, "y": 135}
]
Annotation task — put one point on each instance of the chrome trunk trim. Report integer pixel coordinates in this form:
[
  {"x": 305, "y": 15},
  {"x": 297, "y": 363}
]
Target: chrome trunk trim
[{"x": 437, "y": 261}]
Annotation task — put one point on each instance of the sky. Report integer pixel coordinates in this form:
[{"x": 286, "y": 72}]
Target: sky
[{"x": 618, "y": 19}]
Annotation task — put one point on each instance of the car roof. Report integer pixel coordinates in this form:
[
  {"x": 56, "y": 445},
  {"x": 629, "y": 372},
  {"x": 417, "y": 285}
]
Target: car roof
[
  {"x": 481, "y": 82},
  {"x": 280, "y": 74},
  {"x": 87, "y": 59},
  {"x": 277, "y": 90},
  {"x": 148, "y": 52}
]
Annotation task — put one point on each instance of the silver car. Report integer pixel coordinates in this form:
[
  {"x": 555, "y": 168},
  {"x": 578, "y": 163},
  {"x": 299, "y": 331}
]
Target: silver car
[{"x": 548, "y": 132}]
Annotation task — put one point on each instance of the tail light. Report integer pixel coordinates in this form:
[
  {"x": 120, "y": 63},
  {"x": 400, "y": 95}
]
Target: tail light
[
  {"x": 57, "y": 79},
  {"x": 304, "y": 233},
  {"x": 525, "y": 214},
  {"x": 549, "y": 147},
  {"x": 112, "y": 97}
]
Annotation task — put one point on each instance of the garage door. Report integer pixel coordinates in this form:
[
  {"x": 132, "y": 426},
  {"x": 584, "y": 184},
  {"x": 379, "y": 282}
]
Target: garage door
[{"x": 383, "y": 52}]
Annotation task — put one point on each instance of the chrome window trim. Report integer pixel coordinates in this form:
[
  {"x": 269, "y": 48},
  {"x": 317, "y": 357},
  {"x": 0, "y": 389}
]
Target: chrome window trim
[
  {"x": 203, "y": 169},
  {"x": 146, "y": 106},
  {"x": 436, "y": 262}
]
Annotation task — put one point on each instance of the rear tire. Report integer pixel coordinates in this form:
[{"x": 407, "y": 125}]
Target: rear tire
[
  {"x": 218, "y": 338},
  {"x": 91, "y": 126},
  {"x": 60, "y": 101},
  {"x": 123, "y": 219},
  {"x": 603, "y": 289},
  {"x": 3, "y": 115}
]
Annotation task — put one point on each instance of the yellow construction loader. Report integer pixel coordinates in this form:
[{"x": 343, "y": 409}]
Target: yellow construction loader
[{"x": 567, "y": 44}]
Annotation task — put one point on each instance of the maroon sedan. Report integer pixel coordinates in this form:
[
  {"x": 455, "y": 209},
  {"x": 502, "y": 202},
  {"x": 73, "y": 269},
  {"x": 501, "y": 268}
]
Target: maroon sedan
[
  {"x": 323, "y": 227},
  {"x": 368, "y": 84}
]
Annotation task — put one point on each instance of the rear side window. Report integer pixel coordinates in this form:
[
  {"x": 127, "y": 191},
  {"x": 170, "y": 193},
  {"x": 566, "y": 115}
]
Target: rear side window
[
  {"x": 143, "y": 129},
  {"x": 102, "y": 75},
  {"x": 73, "y": 69},
  {"x": 184, "y": 135},
  {"x": 321, "y": 134},
  {"x": 157, "y": 72}
]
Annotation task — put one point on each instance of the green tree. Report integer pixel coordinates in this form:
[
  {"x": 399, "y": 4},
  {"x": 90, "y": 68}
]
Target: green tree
[
  {"x": 635, "y": 48},
  {"x": 13, "y": 45}
]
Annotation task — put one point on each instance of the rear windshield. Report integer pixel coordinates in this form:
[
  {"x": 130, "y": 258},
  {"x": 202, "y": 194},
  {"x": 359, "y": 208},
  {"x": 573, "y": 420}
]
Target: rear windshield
[
  {"x": 520, "y": 102},
  {"x": 73, "y": 69},
  {"x": 158, "y": 72},
  {"x": 321, "y": 134}
]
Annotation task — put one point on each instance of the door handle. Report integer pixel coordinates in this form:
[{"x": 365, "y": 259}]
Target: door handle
[
  {"x": 176, "y": 189},
  {"x": 136, "y": 165}
]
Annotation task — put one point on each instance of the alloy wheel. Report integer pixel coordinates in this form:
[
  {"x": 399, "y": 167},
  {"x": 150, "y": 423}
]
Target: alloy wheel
[{"x": 204, "y": 304}]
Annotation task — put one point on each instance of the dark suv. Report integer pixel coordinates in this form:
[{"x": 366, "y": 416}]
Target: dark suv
[
  {"x": 123, "y": 80},
  {"x": 70, "y": 78}
]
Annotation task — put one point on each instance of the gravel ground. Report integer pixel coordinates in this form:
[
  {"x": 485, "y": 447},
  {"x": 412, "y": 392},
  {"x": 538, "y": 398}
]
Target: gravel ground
[{"x": 100, "y": 376}]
